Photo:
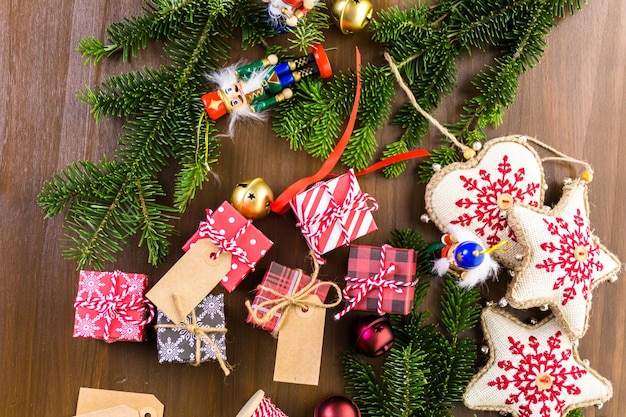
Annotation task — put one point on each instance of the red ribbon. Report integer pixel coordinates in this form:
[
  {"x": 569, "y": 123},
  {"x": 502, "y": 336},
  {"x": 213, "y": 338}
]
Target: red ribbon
[
  {"x": 206, "y": 230},
  {"x": 281, "y": 204},
  {"x": 117, "y": 305}
]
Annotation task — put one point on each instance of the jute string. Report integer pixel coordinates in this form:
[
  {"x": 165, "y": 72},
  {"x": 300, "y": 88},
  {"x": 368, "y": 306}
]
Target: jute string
[
  {"x": 467, "y": 151},
  {"x": 419, "y": 108},
  {"x": 299, "y": 299},
  {"x": 201, "y": 333},
  {"x": 560, "y": 156}
]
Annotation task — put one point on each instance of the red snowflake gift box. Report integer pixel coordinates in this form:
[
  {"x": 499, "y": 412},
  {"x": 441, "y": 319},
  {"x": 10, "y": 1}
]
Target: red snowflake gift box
[
  {"x": 533, "y": 371},
  {"x": 380, "y": 279},
  {"x": 230, "y": 231},
  {"x": 334, "y": 213},
  {"x": 111, "y": 306},
  {"x": 278, "y": 282}
]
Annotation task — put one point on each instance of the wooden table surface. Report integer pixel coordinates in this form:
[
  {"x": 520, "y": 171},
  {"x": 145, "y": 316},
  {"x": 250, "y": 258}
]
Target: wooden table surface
[{"x": 574, "y": 100}]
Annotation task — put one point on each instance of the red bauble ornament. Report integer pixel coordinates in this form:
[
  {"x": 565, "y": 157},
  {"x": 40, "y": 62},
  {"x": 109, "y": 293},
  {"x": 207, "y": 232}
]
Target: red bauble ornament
[
  {"x": 337, "y": 406},
  {"x": 374, "y": 335}
]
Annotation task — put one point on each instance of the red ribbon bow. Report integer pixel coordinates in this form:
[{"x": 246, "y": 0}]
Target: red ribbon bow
[{"x": 207, "y": 230}]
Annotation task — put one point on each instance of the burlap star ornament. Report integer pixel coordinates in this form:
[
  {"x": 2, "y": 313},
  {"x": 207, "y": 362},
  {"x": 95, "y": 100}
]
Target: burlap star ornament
[
  {"x": 564, "y": 261},
  {"x": 533, "y": 371},
  {"x": 476, "y": 194}
]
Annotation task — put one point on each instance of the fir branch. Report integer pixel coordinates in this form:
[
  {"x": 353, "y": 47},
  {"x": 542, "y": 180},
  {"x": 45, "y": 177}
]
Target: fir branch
[
  {"x": 121, "y": 95},
  {"x": 310, "y": 30},
  {"x": 460, "y": 312},
  {"x": 95, "y": 235},
  {"x": 364, "y": 385},
  {"x": 250, "y": 16},
  {"x": 197, "y": 167},
  {"x": 405, "y": 376},
  {"x": 438, "y": 159},
  {"x": 577, "y": 412}
]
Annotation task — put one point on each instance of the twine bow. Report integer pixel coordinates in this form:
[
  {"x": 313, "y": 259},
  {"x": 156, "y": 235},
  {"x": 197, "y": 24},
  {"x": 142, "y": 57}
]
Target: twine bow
[
  {"x": 285, "y": 302},
  {"x": 377, "y": 281},
  {"x": 208, "y": 230},
  {"x": 336, "y": 213},
  {"x": 117, "y": 305},
  {"x": 201, "y": 333}
]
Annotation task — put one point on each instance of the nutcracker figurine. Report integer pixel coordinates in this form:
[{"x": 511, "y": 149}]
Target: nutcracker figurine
[
  {"x": 245, "y": 91},
  {"x": 462, "y": 253},
  {"x": 285, "y": 14}
]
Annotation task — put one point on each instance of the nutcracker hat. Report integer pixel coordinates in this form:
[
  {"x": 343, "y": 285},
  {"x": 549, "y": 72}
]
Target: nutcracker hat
[
  {"x": 321, "y": 60},
  {"x": 214, "y": 105}
]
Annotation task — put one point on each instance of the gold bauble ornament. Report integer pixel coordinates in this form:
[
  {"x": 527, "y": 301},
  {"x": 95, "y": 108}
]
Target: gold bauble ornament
[
  {"x": 252, "y": 198},
  {"x": 352, "y": 15}
]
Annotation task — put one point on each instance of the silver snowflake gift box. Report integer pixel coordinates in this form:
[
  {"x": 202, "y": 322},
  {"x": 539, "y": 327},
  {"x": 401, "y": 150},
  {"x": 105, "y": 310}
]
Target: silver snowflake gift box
[{"x": 201, "y": 338}]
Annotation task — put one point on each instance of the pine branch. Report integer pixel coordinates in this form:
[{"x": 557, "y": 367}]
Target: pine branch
[
  {"x": 460, "y": 312},
  {"x": 250, "y": 16},
  {"x": 364, "y": 385},
  {"x": 310, "y": 30},
  {"x": 405, "y": 376}
]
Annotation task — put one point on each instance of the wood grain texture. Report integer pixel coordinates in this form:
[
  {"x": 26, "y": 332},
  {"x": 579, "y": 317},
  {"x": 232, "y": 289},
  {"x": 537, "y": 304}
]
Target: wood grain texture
[{"x": 574, "y": 100}]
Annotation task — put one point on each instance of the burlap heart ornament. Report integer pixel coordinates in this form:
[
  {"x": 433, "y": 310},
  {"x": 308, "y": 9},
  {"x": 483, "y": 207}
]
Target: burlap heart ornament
[{"x": 476, "y": 194}]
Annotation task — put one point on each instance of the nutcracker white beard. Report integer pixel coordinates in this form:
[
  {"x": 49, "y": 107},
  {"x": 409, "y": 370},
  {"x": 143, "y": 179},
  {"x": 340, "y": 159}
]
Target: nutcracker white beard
[
  {"x": 275, "y": 14},
  {"x": 227, "y": 77}
]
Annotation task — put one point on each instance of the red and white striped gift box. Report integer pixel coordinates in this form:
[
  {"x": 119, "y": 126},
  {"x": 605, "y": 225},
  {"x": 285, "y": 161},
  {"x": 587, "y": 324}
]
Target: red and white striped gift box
[{"x": 333, "y": 213}]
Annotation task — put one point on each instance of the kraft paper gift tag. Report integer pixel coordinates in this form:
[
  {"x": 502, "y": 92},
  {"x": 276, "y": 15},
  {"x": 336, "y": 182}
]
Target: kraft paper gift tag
[
  {"x": 192, "y": 278},
  {"x": 92, "y": 400},
  {"x": 118, "y": 411},
  {"x": 299, "y": 349}
]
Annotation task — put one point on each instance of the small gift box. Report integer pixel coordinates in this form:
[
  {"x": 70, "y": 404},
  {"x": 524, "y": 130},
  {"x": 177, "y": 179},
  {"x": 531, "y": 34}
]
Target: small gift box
[
  {"x": 111, "y": 306},
  {"x": 334, "y": 213},
  {"x": 380, "y": 279},
  {"x": 278, "y": 282},
  {"x": 260, "y": 406},
  {"x": 231, "y": 232},
  {"x": 200, "y": 338}
]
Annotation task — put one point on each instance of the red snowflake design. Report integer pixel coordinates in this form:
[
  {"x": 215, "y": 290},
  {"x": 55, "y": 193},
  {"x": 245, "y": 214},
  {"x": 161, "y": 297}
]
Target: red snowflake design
[
  {"x": 486, "y": 202},
  {"x": 540, "y": 378},
  {"x": 573, "y": 256}
]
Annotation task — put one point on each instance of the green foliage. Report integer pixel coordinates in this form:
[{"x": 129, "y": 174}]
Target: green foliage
[
  {"x": 429, "y": 366},
  {"x": 162, "y": 111},
  {"x": 108, "y": 202},
  {"x": 577, "y": 412},
  {"x": 426, "y": 42},
  {"x": 310, "y": 29}
]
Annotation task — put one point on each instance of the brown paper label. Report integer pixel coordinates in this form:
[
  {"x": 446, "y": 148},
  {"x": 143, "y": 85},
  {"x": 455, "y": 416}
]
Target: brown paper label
[
  {"x": 192, "y": 278},
  {"x": 119, "y": 411},
  {"x": 299, "y": 349},
  {"x": 92, "y": 400}
]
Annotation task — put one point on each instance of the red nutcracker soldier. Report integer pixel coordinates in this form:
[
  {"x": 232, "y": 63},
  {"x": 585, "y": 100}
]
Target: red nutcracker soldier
[
  {"x": 285, "y": 14},
  {"x": 245, "y": 91}
]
